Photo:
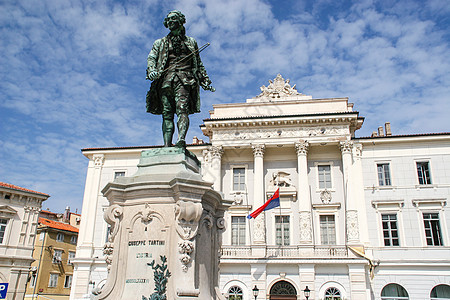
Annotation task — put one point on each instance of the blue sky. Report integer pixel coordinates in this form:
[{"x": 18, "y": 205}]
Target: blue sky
[{"x": 72, "y": 73}]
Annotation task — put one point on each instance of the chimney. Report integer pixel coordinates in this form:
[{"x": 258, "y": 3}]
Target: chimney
[
  {"x": 374, "y": 134},
  {"x": 380, "y": 131},
  {"x": 195, "y": 140},
  {"x": 66, "y": 216},
  {"x": 387, "y": 126}
]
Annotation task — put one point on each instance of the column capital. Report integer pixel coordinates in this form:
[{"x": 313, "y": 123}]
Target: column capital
[
  {"x": 216, "y": 151},
  {"x": 302, "y": 147},
  {"x": 98, "y": 160},
  {"x": 258, "y": 150},
  {"x": 346, "y": 146}
]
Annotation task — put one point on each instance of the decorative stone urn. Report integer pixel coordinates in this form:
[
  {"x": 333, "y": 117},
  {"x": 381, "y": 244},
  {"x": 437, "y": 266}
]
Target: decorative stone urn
[{"x": 163, "y": 212}]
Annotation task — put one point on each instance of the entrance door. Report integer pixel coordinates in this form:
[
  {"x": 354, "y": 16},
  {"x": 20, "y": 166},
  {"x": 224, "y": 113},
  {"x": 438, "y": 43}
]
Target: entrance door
[{"x": 283, "y": 290}]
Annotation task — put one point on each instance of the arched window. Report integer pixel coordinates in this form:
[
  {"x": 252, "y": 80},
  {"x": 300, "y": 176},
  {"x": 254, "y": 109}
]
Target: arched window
[
  {"x": 283, "y": 290},
  {"x": 235, "y": 293},
  {"x": 394, "y": 291},
  {"x": 332, "y": 293},
  {"x": 439, "y": 292}
]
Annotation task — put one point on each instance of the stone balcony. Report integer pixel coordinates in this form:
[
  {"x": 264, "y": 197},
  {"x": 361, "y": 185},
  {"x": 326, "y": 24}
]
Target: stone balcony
[{"x": 292, "y": 252}]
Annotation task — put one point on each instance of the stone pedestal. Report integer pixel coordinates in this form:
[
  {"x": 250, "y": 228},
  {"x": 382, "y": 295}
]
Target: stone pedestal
[{"x": 164, "y": 215}]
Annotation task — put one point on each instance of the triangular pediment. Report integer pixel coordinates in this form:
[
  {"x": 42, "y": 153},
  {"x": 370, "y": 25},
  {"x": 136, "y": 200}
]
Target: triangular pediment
[{"x": 4, "y": 209}]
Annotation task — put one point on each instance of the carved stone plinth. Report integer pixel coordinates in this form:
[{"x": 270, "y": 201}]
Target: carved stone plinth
[{"x": 164, "y": 211}]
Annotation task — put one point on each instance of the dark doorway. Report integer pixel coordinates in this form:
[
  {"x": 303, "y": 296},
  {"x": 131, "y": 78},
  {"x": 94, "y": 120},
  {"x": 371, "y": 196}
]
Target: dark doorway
[{"x": 283, "y": 290}]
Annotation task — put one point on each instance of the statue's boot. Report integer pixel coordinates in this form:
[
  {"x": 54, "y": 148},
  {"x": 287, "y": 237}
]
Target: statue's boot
[{"x": 183, "y": 126}]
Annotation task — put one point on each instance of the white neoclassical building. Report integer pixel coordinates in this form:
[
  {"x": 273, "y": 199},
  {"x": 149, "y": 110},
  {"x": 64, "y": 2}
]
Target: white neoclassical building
[
  {"x": 360, "y": 218},
  {"x": 19, "y": 213}
]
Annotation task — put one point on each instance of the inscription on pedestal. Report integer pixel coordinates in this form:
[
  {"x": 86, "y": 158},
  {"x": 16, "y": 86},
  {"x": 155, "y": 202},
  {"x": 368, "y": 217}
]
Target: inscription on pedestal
[{"x": 146, "y": 243}]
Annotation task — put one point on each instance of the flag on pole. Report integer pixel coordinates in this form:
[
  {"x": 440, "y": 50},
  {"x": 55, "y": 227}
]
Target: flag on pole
[{"x": 273, "y": 202}]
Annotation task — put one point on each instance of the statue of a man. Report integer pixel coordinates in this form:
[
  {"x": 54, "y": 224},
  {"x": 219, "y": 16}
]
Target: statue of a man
[{"x": 177, "y": 73}]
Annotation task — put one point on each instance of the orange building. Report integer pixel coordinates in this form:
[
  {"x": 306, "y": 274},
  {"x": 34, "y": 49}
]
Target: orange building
[{"x": 54, "y": 248}]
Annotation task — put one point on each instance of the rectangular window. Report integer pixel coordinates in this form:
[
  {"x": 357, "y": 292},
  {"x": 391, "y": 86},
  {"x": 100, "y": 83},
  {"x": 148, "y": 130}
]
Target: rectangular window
[
  {"x": 384, "y": 174},
  {"x": 238, "y": 179},
  {"x": 327, "y": 230},
  {"x": 68, "y": 282},
  {"x": 53, "y": 281},
  {"x": 57, "y": 255},
  {"x": 71, "y": 257},
  {"x": 238, "y": 230},
  {"x": 324, "y": 176},
  {"x": 282, "y": 230},
  {"x": 3, "y": 223},
  {"x": 41, "y": 235},
  {"x": 73, "y": 239},
  {"x": 432, "y": 229},
  {"x": 390, "y": 230},
  {"x": 119, "y": 174},
  {"x": 60, "y": 237},
  {"x": 423, "y": 172}
]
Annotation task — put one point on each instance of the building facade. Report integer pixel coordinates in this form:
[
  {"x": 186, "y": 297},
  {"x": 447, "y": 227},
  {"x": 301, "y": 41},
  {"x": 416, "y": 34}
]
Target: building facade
[
  {"x": 19, "y": 212},
  {"x": 55, "y": 247},
  {"x": 359, "y": 218}
]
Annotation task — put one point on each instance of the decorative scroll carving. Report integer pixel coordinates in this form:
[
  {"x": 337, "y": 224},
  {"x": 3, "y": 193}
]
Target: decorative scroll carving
[
  {"x": 187, "y": 216},
  {"x": 258, "y": 150},
  {"x": 185, "y": 249},
  {"x": 346, "y": 146},
  {"x": 352, "y": 225},
  {"x": 147, "y": 214},
  {"x": 278, "y": 88},
  {"x": 220, "y": 223},
  {"x": 238, "y": 197},
  {"x": 206, "y": 156},
  {"x": 358, "y": 150},
  {"x": 257, "y": 132},
  {"x": 305, "y": 227},
  {"x": 208, "y": 220},
  {"x": 302, "y": 147},
  {"x": 216, "y": 151},
  {"x": 325, "y": 196},
  {"x": 113, "y": 216},
  {"x": 108, "y": 250},
  {"x": 259, "y": 230},
  {"x": 281, "y": 179},
  {"x": 98, "y": 160}
]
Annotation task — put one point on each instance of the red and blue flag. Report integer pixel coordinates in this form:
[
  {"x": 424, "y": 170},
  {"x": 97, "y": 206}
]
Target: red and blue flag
[{"x": 273, "y": 202}]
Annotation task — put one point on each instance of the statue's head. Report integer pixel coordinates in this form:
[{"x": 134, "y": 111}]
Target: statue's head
[{"x": 174, "y": 20}]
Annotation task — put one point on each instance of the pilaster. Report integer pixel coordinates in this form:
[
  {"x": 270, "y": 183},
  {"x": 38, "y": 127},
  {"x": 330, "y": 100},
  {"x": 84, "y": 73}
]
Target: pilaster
[
  {"x": 301, "y": 148},
  {"x": 258, "y": 193},
  {"x": 351, "y": 205},
  {"x": 216, "y": 166},
  {"x": 89, "y": 210}
]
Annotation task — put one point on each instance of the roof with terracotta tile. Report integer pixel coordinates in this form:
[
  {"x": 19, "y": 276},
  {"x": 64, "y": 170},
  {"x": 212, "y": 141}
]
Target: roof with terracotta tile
[
  {"x": 57, "y": 225},
  {"x": 18, "y": 188}
]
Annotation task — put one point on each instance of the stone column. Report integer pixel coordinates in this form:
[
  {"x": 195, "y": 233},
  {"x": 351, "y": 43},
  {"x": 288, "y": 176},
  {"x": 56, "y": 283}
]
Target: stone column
[
  {"x": 258, "y": 193},
  {"x": 303, "y": 192},
  {"x": 85, "y": 249},
  {"x": 216, "y": 167},
  {"x": 351, "y": 205},
  {"x": 89, "y": 210}
]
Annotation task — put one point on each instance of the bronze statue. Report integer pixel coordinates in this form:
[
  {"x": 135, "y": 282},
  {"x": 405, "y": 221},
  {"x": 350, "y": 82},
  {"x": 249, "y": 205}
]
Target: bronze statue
[{"x": 177, "y": 73}]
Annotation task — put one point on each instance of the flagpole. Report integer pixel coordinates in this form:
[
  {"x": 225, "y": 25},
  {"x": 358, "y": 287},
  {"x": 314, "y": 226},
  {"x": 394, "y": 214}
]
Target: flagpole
[{"x": 248, "y": 212}]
